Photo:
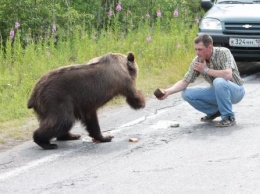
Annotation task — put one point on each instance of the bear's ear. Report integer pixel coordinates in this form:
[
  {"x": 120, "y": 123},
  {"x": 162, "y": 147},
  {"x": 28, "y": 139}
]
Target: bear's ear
[
  {"x": 131, "y": 65},
  {"x": 131, "y": 57}
]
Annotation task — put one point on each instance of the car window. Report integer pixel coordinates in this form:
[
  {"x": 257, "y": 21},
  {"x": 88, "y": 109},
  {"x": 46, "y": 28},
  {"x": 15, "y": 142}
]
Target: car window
[{"x": 235, "y": 2}]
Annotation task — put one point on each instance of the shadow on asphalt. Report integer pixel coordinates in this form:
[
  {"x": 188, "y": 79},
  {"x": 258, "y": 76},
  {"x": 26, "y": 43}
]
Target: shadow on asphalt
[{"x": 248, "y": 68}]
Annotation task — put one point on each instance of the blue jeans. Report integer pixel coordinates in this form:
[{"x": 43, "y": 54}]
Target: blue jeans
[{"x": 218, "y": 97}]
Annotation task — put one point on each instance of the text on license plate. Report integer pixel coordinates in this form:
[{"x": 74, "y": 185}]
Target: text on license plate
[{"x": 242, "y": 42}]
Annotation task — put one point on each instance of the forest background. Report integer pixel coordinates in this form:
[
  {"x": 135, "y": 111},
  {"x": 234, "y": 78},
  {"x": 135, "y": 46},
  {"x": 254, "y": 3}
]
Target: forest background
[{"x": 39, "y": 35}]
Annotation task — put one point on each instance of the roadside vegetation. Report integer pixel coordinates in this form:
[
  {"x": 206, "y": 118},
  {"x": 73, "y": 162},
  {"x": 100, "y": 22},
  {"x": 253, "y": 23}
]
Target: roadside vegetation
[{"x": 161, "y": 37}]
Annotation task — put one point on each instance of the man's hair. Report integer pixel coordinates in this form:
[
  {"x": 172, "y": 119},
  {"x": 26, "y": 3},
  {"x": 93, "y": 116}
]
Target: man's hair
[{"x": 205, "y": 39}]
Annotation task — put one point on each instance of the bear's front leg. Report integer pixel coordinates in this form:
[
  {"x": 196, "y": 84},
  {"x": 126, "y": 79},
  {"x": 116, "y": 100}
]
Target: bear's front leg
[{"x": 92, "y": 126}]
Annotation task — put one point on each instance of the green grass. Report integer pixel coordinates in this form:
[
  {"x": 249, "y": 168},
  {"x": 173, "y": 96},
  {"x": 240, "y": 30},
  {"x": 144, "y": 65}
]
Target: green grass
[{"x": 162, "y": 61}]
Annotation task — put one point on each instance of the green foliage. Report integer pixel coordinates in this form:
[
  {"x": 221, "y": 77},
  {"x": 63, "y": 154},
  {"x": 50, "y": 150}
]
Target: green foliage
[
  {"x": 37, "y": 18},
  {"x": 163, "y": 46},
  {"x": 167, "y": 55}
]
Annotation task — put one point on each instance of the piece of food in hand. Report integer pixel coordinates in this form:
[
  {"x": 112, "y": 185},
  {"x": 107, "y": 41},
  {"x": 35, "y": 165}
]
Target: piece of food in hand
[
  {"x": 159, "y": 93},
  {"x": 133, "y": 139}
]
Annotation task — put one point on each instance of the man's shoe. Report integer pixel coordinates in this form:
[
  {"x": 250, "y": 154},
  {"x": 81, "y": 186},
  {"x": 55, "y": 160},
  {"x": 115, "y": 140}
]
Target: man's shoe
[
  {"x": 210, "y": 118},
  {"x": 226, "y": 122}
]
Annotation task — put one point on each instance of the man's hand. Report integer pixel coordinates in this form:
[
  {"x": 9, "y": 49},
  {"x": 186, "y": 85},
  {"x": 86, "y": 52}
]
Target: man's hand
[
  {"x": 200, "y": 66},
  {"x": 166, "y": 94},
  {"x": 177, "y": 87}
]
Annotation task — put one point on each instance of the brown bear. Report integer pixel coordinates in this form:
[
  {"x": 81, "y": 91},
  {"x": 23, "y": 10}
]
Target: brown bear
[{"x": 76, "y": 92}]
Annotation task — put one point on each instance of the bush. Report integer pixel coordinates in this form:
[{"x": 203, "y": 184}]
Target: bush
[{"x": 39, "y": 18}]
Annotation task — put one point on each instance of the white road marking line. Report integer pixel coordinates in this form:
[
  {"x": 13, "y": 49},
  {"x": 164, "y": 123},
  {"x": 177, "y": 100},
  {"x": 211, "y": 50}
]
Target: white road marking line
[
  {"x": 22, "y": 169},
  {"x": 136, "y": 121}
]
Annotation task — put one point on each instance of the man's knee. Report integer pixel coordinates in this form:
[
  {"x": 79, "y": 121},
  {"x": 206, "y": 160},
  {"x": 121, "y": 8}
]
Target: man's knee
[{"x": 219, "y": 82}]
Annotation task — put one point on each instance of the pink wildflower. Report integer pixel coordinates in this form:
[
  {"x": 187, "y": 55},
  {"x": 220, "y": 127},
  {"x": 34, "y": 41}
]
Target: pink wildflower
[
  {"x": 159, "y": 14},
  {"x": 16, "y": 25},
  {"x": 119, "y": 7},
  {"x": 176, "y": 13},
  {"x": 12, "y": 33},
  {"x": 149, "y": 38},
  {"x": 196, "y": 20},
  {"x": 54, "y": 28},
  {"x": 110, "y": 13}
]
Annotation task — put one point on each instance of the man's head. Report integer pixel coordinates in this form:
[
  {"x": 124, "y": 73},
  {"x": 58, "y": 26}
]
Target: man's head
[{"x": 203, "y": 46}]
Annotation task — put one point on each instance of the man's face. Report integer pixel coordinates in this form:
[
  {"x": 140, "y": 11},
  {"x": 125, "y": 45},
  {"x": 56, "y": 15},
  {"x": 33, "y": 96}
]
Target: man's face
[{"x": 202, "y": 51}]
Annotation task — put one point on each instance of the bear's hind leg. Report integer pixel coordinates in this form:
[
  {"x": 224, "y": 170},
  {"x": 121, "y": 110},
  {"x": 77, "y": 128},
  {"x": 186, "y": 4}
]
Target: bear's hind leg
[
  {"x": 93, "y": 128},
  {"x": 53, "y": 127},
  {"x": 43, "y": 139},
  {"x": 63, "y": 130}
]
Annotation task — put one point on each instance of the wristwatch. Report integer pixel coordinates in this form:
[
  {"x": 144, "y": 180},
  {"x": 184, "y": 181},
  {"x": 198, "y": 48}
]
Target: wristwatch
[{"x": 206, "y": 70}]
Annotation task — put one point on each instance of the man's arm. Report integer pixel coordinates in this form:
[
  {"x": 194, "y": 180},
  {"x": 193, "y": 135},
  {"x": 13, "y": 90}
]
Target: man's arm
[{"x": 225, "y": 73}]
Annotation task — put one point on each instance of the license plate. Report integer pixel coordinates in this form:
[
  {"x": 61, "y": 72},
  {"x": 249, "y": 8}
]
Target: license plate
[{"x": 243, "y": 42}]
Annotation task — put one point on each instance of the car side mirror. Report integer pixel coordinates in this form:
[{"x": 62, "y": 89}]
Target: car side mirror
[{"x": 206, "y": 4}]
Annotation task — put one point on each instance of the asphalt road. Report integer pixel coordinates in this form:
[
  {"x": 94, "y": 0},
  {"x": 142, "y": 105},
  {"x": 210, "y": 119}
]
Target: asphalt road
[{"x": 192, "y": 158}]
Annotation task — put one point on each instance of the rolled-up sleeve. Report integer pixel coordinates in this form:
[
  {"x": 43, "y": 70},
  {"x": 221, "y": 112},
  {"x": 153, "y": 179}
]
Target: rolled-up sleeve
[{"x": 191, "y": 75}]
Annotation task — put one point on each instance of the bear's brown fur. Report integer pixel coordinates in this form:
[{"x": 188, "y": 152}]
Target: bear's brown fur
[{"x": 75, "y": 92}]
